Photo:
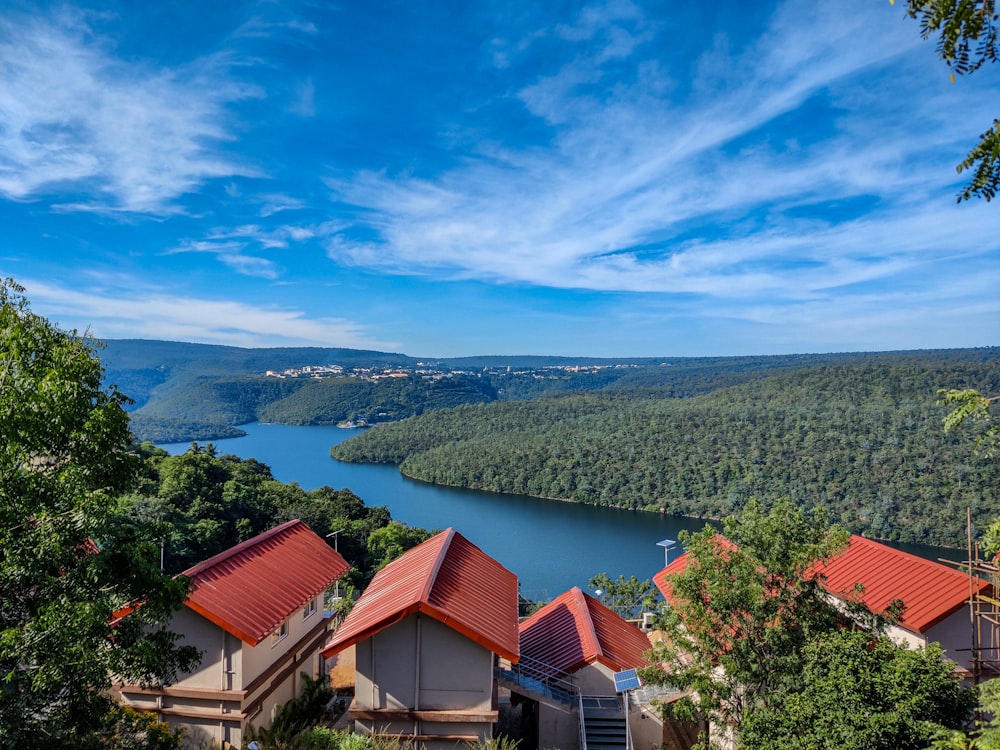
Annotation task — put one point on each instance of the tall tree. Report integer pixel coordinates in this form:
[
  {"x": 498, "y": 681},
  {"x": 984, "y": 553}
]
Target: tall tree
[
  {"x": 862, "y": 691},
  {"x": 741, "y": 612},
  {"x": 967, "y": 32},
  {"x": 68, "y": 562}
]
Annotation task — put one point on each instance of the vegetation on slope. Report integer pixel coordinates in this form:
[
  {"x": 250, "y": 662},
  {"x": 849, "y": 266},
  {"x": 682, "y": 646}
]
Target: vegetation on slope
[
  {"x": 864, "y": 440},
  {"x": 206, "y": 503}
]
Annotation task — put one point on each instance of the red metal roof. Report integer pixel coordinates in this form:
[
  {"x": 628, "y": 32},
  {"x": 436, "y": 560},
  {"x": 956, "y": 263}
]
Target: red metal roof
[
  {"x": 575, "y": 630},
  {"x": 447, "y": 578},
  {"x": 250, "y": 589},
  {"x": 929, "y": 590}
]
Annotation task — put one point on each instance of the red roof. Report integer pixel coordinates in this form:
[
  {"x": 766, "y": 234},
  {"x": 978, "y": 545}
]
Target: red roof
[
  {"x": 929, "y": 590},
  {"x": 447, "y": 578},
  {"x": 250, "y": 589},
  {"x": 575, "y": 630}
]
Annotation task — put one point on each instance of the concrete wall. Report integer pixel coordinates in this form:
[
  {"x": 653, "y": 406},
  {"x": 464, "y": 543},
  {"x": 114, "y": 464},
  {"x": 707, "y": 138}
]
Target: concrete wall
[
  {"x": 257, "y": 659},
  {"x": 955, "y": 634},
  {"x": 558, "y": 729},
  {"x": 420, "y": 664},
  {"x": 228, "y": 664},
  {"x": 595, "y": 679}
]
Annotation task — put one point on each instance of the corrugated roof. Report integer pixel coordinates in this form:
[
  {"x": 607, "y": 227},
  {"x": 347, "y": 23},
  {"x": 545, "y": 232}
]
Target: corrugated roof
[
  {"x": 575, "y": 630},
  {"x": 250, "y": 589},
  {"x": 929, "y": 590},
  {"x": 447, "y": 578}
]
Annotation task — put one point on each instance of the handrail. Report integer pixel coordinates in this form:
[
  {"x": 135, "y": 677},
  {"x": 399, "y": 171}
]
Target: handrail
[
  {"x": 628, "y": 720},
  {"x": 537, "y": 671},
  {"x": 582, "y": 723}
]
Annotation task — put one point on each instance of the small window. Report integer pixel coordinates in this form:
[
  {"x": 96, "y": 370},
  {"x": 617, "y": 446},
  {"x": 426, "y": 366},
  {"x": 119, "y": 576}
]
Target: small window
[
  {"x": 310, "y": 609},
  {"x": 280, "y": 633}
]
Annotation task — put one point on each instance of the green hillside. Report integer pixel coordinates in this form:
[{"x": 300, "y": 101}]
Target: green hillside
[{"x": 864, "y": 439}]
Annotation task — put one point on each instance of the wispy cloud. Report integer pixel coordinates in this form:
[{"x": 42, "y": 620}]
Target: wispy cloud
[
  {"x": 127, "y": 136},
  {"x": 709, "y": 190},
  {"x": 117, "y": 311}
]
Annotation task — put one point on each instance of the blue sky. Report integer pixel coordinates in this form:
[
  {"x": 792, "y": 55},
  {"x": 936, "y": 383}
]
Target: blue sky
[{"x": 451, "y": 177}]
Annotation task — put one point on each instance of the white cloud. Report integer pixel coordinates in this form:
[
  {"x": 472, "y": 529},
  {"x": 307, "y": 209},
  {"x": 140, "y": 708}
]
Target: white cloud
[
  {"x": 640, "y": 182},
  {"x": 129, "y": 136},
  {"x": 141, "y": 312}
]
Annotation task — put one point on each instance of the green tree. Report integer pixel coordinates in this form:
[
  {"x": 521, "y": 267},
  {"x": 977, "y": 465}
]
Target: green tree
[
  {"x": 986, "y": 734},
  {"x": 629, "y": 597},
  {"x": 68, "y": 562},
  {"x": 741, "y": 612},
  {"x": 862, "y": 692},
  {"x": 967, "y": 37}
]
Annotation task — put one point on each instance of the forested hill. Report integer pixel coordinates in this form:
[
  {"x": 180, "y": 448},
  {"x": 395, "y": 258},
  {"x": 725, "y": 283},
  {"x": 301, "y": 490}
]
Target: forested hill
[
  {"x": 201, "y": 392},
  {"x": 864, "y": 439}
]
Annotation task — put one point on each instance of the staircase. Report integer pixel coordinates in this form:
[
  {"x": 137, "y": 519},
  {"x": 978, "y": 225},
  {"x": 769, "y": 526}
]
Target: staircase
[
  {"x": 539, "y": 682},
  {"x": 604, "y": 723}
]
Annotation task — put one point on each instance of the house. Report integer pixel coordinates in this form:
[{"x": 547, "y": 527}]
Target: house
[
  {"x": 935, "y": 597},
  {"x": 255, "y": 612},
  {"x": 582, "y": 643},
  {"x": 428, "y": 632}
]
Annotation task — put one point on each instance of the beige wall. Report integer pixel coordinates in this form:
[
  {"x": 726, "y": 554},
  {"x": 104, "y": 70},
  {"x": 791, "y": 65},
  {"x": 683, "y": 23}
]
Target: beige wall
[
  {"x": 452, "y": 671},
  {"x": 419, "y": 664},
  {"x": 228, "y": 664},
  {"x": 595, "y": 679},
  {"x": 558, "y": 729},
  {"x": 257, "y": 659}
]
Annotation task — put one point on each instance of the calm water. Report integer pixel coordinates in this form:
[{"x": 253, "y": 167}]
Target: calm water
[{"x": 550, "y": 546}]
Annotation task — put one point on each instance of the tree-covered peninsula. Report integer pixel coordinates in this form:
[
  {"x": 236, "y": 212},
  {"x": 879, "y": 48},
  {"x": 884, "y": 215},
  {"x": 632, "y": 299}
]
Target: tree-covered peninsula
[{"x": 864, "y": 439}]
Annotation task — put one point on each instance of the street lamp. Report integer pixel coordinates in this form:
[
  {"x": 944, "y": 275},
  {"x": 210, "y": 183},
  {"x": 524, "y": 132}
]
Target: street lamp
[{"x": 336, "y": 539}]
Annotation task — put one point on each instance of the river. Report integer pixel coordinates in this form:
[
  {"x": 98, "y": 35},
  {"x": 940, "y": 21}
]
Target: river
[{"x": 550, "y": 545}]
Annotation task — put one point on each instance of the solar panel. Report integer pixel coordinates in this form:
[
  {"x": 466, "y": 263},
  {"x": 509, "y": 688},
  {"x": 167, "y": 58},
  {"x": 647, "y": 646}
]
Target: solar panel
[{"x": 627, "y": 680}]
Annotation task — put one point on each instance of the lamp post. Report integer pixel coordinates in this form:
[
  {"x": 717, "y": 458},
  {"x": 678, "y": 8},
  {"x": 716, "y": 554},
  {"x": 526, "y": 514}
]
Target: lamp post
[
  {"x": 336, "y": 539},
  {"x": 667, "y": 544}
]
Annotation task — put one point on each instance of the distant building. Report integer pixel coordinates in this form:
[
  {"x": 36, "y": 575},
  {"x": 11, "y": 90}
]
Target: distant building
[{"x": 255, "y": 612}]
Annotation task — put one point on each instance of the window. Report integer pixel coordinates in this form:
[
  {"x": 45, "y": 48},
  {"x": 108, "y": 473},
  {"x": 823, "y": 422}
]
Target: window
[
  {"x": 310, "y": 609},
  {"x": 280, "y": 633}
]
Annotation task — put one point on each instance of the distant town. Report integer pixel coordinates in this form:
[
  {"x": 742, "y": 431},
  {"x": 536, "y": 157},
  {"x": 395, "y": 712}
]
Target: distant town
[{"x": 429, "y": 371}]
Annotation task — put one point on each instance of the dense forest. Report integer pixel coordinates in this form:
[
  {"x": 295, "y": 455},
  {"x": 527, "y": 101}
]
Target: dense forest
[
  {"x": 864, "y": 439},
  {"x": 205, "y": 503},
  {"x": 183, "y": 392}
]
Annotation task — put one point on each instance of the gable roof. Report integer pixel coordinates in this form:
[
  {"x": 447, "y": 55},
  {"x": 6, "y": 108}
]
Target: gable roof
[
  {"x": 250, "y": 589},
  {"x": 575, "y": 630},
  {"x": 448, "y": 579},
  {"x": 931, "y": 591}
]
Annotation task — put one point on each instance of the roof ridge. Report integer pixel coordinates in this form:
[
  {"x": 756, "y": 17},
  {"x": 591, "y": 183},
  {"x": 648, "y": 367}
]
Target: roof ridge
[
  {"x": 242, "y": 546},
  {"x": 583, "y": 599},
  {"x": 425, "y": 594}
]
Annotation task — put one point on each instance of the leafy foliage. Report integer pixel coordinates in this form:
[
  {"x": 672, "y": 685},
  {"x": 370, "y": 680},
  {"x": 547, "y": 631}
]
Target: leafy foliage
[
  {"x": 128, "y": 729},
  {"x": 986, "y": 733},
  {"x": 742, "y": 611},
  {"x": 862, "y": 692},
  {"x": 628, "y": 597},
  {"x": 68, "y": 560},
  {"x": 297, "y": 716},
  {"x": 205, "y": 503},
  {"x": 967, "y": 38}
]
